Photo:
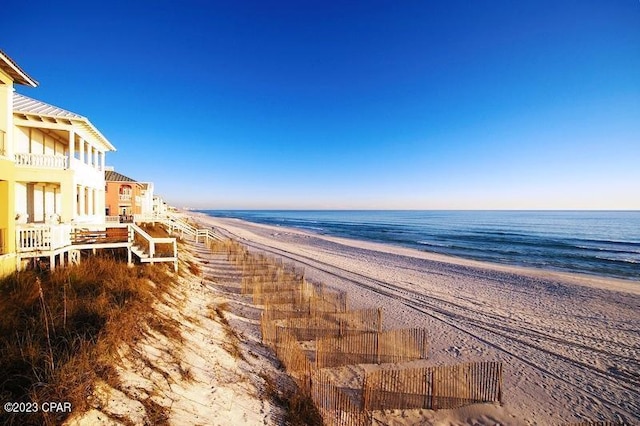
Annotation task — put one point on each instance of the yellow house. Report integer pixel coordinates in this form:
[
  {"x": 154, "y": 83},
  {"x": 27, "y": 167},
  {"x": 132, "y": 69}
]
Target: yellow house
[
  {"x": 59, "y": 164},
  {"x": 10, "y": 74},
  {"x": 51, "y": 173},
  {"x": 52, "y": 185}
]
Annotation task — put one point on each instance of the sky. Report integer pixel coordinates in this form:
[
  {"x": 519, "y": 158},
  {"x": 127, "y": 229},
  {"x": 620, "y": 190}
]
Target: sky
[{"x": 350, "y": 104}]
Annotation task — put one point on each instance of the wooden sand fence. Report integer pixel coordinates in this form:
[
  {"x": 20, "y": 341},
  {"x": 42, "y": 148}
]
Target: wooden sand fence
[
  {"x": 391, "y": 346},
  {"x": 335, "y": 301},
  {"x": 447, "y": 386},
  {"x": 335, "y": 323},
  {"x": 296, "y": 293},
  {"x": 338, "y": 406},
  {"x": 258, "y": 284},
  {"x": 296, "y": 311},
  {"x": 294, "y": 358}
]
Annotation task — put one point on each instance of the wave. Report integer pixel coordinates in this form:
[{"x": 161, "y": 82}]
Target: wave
[{"x": 601, "y": 243}]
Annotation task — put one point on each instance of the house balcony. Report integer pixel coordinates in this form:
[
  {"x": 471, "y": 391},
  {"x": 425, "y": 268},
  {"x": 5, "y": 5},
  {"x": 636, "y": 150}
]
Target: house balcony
[
  {"x": 41, "y": 161},
  {"x": 124, "y": 198}
]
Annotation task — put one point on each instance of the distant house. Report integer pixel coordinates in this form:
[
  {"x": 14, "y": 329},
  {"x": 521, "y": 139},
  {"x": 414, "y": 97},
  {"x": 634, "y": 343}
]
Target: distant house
[
  {"x": 126, "y": 197},
  {"x": 159, "y": 206}
]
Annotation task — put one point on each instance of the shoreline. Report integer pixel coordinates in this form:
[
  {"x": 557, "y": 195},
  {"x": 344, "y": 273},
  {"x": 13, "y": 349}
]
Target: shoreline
[
  {"x": 569, "y": 342},
  {"x": 585, "y": 279}
]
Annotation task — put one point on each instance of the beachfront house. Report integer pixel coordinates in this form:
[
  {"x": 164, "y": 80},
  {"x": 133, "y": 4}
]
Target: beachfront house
[
  {"x": 10, "y": 74},
  {"x": 126, "y": 197},
  {"x": 59, "y": 158},
  {"x": 159, "y": 206},
  {"x": 52, "y": 185}
]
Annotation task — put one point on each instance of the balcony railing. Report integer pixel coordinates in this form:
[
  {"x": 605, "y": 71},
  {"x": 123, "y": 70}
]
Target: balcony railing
[
  {"x": 42, "y": 237},
  {"x": 124, "y": 197},
  {"x": 41, "y": 160}
]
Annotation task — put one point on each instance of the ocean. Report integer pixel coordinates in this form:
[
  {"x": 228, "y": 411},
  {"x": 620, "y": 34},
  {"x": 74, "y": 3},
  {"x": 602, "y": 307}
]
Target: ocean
[{"x": 603, "y": 243}]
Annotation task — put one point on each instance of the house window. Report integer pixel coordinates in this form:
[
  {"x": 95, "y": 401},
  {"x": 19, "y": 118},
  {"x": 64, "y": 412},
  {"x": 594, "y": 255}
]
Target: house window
[{"x": 125, "y": 193}]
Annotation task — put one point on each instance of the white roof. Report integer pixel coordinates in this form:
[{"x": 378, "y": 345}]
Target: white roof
[
  {"x": 27, "y": 105},
  {"x": 14, "y": 71},
  {"x": 32, "y": 107}
]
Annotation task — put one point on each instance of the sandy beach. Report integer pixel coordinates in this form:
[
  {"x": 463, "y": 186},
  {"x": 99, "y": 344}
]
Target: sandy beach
[{"x": 570, "y": 344}]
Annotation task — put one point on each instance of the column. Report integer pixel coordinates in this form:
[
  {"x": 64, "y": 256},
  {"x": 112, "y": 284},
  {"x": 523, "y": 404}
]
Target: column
[
  {"x": 72, "y": 143},
  {"x": 102, "y": 155},
  {"x": 90, "y": 201},
  {"x": 81, "y": 149},
  {"x": 81, "y": 200},
  {"x": 95, "y": 158}
]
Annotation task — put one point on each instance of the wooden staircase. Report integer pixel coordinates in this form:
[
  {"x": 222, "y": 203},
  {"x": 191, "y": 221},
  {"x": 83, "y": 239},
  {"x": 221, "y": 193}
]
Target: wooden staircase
[{"x": 143, "y": 246}]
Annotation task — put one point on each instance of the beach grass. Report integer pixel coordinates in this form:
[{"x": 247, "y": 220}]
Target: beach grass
[{"x": 60, "y": 330}]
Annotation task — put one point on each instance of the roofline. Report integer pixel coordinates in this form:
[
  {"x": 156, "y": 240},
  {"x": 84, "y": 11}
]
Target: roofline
[
  {"x": 23, "y": 77},
  {"x": 97, "y": 132},
  {"x": 79, "y": 119}
]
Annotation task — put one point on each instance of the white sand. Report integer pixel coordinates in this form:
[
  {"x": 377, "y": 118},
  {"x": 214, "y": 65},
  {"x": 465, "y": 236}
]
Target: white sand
[
  {"x": 219, "y": 387},
  {"x": 570, "y": 344}
]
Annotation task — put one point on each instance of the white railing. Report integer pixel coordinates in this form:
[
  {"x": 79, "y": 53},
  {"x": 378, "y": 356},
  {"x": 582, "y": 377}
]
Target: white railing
[
  {"x": 151, "y": 246},
  {"x": 207, "y": 235},
  {"x": 124, "y": 197},
  {"x": 149, "y": 217},
  {"x": 42, "y": 237},
  {"x": 112, "y": 219},
  {"x": 41, "y": 160}
]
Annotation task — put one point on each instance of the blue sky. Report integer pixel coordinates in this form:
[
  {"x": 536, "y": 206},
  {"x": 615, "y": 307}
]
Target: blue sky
[{"x": 351, "y": 104}]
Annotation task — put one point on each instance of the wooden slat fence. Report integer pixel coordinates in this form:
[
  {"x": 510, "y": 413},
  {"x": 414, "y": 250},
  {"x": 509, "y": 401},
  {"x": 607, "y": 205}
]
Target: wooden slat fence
[
  {"x": 253, "y": 285},
  {"x": 297, "y": 296},
  {"x": 433, "y": 387},
  {"x": 336, "y": 405},
  {"x": 366, "y": 319},
  {"x": 598, "y": 423},
  {"x": 372, "y": 348},
  {"x": 296, "y": 311},
  {"x": 294, "y": 358},
  {"x": 314, "y": 328}
]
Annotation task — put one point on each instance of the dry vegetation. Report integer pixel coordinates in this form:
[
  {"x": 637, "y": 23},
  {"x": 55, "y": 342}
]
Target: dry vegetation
[
  {"x": 299, "y": 409},
  {"x": 60, "y": 331}
]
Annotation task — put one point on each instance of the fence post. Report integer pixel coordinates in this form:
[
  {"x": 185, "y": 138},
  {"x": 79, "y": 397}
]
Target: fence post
[
  {"x": 500, "y": 383},
  {"x": 433, "y": 388}
]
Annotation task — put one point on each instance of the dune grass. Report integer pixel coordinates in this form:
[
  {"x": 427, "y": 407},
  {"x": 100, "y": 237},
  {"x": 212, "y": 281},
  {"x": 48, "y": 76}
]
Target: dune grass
[{"x": 60, "y": 330}]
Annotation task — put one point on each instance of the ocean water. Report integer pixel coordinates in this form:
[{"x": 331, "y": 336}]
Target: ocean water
[{"x": 604, "y": 243}]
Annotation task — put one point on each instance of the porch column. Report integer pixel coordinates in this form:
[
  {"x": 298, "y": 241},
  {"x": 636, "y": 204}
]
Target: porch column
[
  {"x": 102, "y": 155},
  {"x": 81, "y": 149},
  {"x": 99, "y": 200},
  {"x": 72, "y": 143},
  {"x": 81, "y": 200},
  {"x": 90, "y": 201},
  {"x": 95, "y": 158}
]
